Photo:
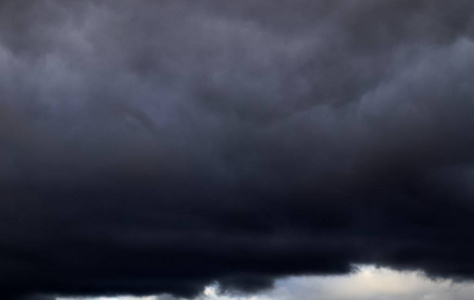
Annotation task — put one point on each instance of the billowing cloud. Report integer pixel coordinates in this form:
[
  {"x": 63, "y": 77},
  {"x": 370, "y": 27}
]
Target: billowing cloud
[
  {"x": 158, "y": 147},
  {"x": 369, "y": 283}
]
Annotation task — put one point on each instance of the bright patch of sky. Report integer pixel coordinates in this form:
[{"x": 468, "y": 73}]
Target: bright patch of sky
[{"x": 370, "y": 283}]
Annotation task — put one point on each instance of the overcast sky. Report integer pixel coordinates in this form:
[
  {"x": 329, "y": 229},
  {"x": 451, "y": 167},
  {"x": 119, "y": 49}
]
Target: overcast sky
[{"x": 151, "y": 147}]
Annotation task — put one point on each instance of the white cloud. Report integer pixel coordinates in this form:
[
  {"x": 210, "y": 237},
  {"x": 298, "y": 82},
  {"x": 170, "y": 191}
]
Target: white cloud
[{"x": 370, "y": 283}]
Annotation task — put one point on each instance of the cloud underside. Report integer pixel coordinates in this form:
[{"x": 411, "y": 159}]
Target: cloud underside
[{"x": 161, "y": 147}]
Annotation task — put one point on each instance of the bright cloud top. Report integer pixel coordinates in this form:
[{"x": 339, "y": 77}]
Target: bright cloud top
[{"x": 369, "y": 283}]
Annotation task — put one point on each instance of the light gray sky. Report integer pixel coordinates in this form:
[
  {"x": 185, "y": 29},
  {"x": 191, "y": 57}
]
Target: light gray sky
[{"x": 370, "y": 283}]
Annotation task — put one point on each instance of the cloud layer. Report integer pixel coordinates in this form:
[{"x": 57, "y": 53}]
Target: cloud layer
[
  {"x": 369, "y": 283},
  {"x": 162, "y": 146}
]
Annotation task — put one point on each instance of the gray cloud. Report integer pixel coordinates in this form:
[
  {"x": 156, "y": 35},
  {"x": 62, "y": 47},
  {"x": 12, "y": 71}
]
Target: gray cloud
[{"x": 160, "y": 147}]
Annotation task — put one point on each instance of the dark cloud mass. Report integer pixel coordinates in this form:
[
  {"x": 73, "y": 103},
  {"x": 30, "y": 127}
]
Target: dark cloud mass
[{"x": 160, "y": 146}]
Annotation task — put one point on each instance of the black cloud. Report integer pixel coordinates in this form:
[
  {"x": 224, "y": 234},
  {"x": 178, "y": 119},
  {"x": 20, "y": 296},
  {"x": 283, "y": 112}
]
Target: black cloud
[{"x": 163, "y": 146}]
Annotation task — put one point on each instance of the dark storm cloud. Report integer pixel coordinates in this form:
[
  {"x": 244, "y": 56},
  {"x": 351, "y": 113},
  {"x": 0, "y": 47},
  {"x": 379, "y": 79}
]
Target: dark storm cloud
[{"x": 163, "y": 146}]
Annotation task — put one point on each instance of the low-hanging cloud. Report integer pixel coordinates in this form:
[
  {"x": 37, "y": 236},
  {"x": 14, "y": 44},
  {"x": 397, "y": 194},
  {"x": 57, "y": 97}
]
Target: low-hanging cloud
[{"x": 158, "y": 147}]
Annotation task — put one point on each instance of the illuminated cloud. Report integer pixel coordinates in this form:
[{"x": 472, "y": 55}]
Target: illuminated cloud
[{"x": 369, "y": 283}]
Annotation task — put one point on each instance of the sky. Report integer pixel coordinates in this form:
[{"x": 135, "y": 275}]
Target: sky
[{"x": 161, "y": 147}]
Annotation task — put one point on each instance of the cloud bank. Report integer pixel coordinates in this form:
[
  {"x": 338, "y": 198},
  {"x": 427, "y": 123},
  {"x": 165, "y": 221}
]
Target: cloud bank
[
  {"x": 369, "y": 283},
  {"x": 158, "y": 147}
]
